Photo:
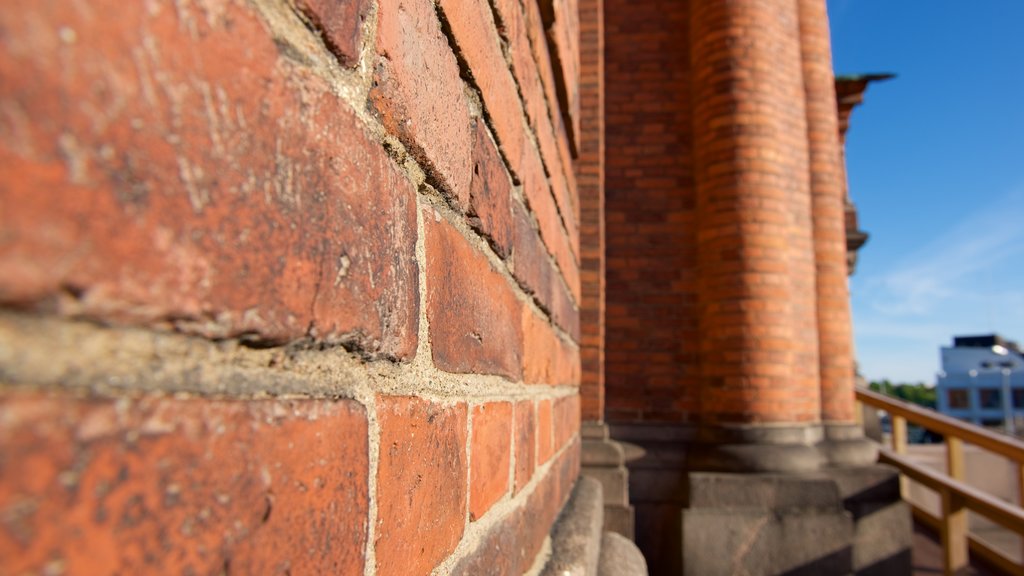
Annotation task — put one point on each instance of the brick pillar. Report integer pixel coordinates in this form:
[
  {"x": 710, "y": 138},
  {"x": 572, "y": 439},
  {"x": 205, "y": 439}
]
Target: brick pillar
[
  {"x": 844, "y": 439},
  {"x": 760, "y": 408}
]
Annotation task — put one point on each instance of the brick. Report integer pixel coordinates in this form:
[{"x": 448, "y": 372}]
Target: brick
[
  {"x": 421, "y": 484},
  {"x": 339, "y": 23},
  {"x": 562, "y": 31},
  {"x": 566, "y": 413},
  {"x": 534, "y": 271},
  {"x": 545, "y": 426},
  {"x": 491, "y": 193},
  {"x": 537, "y": 191},
  {"x": 476, "y": 36},
  {"x": 547, "y": 359},
  {"x": 526, "y": 443},
  {"x": 236, "y": 208},
  {"x": 195, "y": 486},
  {"x": 419, "y": 95},
  {"x": 470, "y": 307},
  {"x": 534, "y": 26},
  {"x": 511, "y": 545},
  {"x": 490, "y": 454}
]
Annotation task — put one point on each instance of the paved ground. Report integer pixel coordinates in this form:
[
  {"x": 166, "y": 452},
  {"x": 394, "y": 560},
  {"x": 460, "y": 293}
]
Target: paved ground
[{"x": 927, "y": 556}]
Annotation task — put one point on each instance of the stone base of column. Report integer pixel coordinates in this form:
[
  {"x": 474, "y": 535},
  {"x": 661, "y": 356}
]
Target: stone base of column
[
  {"x": 840, "y": 521},
  {"x": 757, "y": 448},
  {"x": 604, "y": 460},
  {"x": 844, "y": 445}
]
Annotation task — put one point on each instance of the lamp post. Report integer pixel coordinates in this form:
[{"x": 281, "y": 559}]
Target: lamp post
[{"x": 972, "y": 393}]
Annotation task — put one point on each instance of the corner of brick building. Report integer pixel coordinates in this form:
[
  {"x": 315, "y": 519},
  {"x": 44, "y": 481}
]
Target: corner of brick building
[{"x": 290, "y": 287}]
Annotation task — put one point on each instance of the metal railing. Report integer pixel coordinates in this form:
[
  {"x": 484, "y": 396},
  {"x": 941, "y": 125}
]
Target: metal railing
[{"x": 956, "y": 497}]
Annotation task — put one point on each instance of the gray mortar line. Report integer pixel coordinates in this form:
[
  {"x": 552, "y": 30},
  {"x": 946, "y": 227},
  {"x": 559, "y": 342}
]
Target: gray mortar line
[{"x": 49, "y": 351}]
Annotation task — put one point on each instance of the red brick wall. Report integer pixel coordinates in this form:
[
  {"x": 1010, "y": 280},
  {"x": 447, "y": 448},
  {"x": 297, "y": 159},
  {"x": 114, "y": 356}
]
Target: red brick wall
[
  {"x": 591, "y": 175},
  {"x": 651, "y": 369},
  {"x": 289, "y": 287}
]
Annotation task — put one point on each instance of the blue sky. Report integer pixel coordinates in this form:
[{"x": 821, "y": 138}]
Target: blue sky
[{"x": 936, "y": 167}]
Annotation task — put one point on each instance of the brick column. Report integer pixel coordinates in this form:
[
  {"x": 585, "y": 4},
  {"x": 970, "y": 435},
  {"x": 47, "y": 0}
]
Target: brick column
[
  {"x": 844, "y": 439},
  {"x": 760, "y": 408}
]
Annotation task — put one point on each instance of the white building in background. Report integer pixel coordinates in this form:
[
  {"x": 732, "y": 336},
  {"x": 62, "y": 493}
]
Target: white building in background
[{"x": 978, "y": 373}]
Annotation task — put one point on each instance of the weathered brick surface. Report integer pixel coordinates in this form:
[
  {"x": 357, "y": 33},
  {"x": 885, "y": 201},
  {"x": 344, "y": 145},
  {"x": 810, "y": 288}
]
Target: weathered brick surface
[
  {"x": 526, "y": 443},
  {"x": 477, "y": 38},
  {"x": 511, "y": 545},
  {"x": 490, "y": 451},
  {"x": 418, "y": 93},
  {"x": 561, "y": 18},
  {"x": 537, "y": 191},
  {"x": 166, "y": 486},
  {"x": 545, "y": 427},
  {"x": 469, "y": 307},
  {"x": 547, "y": 359},
  {"x": 491, "y": 193},
  {"x": 536, "y": 274},
  {"x": 339, "y": 23},
  {"x": 421, "y": 484},
  {"x": 566, "y": 415},
  {"x": 170, "y": 165},
  {"x": 512, "y": 29}
]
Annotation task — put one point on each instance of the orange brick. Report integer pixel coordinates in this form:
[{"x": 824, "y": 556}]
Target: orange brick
[
  {"x": 469, "y": 307},
  {"x": 490, "y": 452},
  {"x": 421, "y": 484},
  {"x": 231, "y": 219},
  {"x": 545, "y": 427},
  {"x": 157, "y": 485},
  {"x": 547, "y": 359},
  {"x": 419, "y": 95},
  {"x": 526, "y": 443}
]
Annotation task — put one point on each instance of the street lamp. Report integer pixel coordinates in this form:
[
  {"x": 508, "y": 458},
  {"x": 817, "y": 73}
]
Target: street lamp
[
  {"x": 1005, "y": 367},
  {"x": 972, "y": 393}
]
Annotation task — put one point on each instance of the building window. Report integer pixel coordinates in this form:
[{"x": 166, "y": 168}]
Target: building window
[
  {"x": 1018, "y": 398},
  {"x": 991, "y": 398},
  {"x": 958, "y": 398}
]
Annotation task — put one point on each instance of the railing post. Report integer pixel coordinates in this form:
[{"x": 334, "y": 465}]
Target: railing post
[
  {"x": 954, "y": 533},
  {"x": 955, "y": 466},
  {"x": 1020, "y": 499},
  {"x": 899, "y": 446},
  {"x": 899, "y": 434}
]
